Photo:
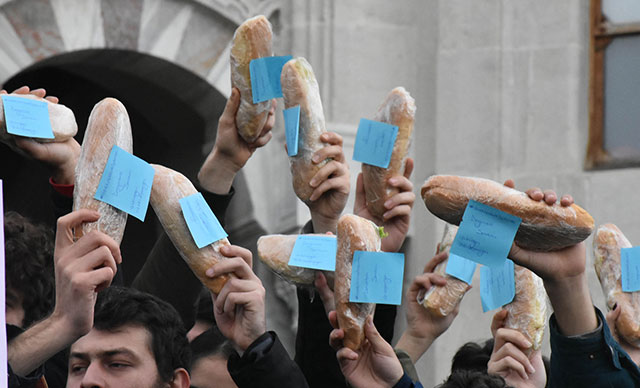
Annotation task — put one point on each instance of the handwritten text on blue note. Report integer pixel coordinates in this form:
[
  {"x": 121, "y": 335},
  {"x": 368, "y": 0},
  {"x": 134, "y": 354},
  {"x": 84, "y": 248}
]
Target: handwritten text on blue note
[
  {"x": 316, "y": 252},
  {"x": 265, "y": 77},
  {"x": 485, "y": 234},
  {"x": 26, "y": 117},
  {"x": 126, "y": 183},
  {"x": 630, "y": 268},
  {"x": 203, "y": 224},
  {"x": 497, "y": 285},
  {"x": 291, "y": 129},
  {"x": 460, "y": 268},
  {"x": 374, "y": 143},
  {"x": 376, "y": 277}
]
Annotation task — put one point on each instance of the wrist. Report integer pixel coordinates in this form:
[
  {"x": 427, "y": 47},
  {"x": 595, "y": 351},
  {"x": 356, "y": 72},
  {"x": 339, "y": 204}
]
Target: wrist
[
  {"x": 414, "y": 345},
  {"x": 572, "y": 305},
  {"x": 217, "y": 173},
  {"x": 322, "y": 224}
]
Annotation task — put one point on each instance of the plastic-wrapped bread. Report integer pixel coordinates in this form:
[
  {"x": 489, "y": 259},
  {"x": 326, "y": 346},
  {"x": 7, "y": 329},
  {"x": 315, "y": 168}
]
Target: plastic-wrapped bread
[
  {"x": 108, "y": 126},
  {"x": 63, "y": 123},
  {"x": 528, "y": 310},
  {"x": 168, "y": 188},
  {"x": 398, "y": 109},
  {"x": 299, "y": 87},
  {"x": 543, "y": 227},
  {"x": 275, "y": 250},
  {"x": 251, "y": 40},
  {"x": 354, "y": 234},
  {"x": 442, "y": 300},
  {"x": 607, "y": 244}
]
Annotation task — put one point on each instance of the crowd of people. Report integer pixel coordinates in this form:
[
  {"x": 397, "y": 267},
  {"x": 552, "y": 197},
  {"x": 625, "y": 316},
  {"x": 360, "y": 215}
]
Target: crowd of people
[{"x": 71, "y": 323}]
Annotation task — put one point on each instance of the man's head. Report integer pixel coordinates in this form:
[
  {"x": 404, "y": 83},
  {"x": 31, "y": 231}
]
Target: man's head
[
  {"x": 472, "y": 357},
  {"x": 210, "y": 353},
  {"x": 475, "y": 379},
  {"x": 137, "y": 340},
  {"x": 29, "y": 270}
]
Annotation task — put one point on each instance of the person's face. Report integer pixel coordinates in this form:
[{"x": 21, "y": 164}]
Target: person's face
[
  {"x": 211, "y": 372},
  {"x": 13, "y": 308},
  {"x": 121, "y": 358}
]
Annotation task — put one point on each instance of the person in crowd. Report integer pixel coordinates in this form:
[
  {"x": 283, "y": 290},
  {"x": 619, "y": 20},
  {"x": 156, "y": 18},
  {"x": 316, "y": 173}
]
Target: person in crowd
[
  {"x": 473, "y": 379},
  {"x": 210, "y": 352}
]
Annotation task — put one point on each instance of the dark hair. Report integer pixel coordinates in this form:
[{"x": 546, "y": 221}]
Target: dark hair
[
  {"x": 472, "y": 357},
  {"x": 29, "y": 265},
  {"x": 209, "y": 343},
  {"x": 205, "y": 307},
  {"x": 120, "y": 306},
  {"x": 473, "y": 379}
]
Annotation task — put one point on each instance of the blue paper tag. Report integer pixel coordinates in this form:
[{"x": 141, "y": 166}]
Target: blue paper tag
[
  {"x": 497, "y": 286},
  {"x": 376, "y": 277},
  {"x": 485, "y": 234},
  {"x": 203, "y": 224},
  {"x": 374, "y": 143},
  {"x": 460, "y": 268},
  {"x": 265, "y": 77},
  {"x": 126, "y": 183},
  {"x": 291, "y": 129},
  {"x": 630, "y": 268},
  {"x": 26, "y": 117},
  {"x": 315, "y": 252}
]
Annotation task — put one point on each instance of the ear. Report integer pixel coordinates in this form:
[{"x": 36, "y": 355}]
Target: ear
[{"x": 180, "y": 379}]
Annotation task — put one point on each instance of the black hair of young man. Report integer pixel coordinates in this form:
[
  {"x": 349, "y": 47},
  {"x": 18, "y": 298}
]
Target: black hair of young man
[
  {"x": 120, "y": 306},
  {"x": 472, "y": 357},
  {"x": 210, "y": 343},
  {"x": 473, "y": 379}
]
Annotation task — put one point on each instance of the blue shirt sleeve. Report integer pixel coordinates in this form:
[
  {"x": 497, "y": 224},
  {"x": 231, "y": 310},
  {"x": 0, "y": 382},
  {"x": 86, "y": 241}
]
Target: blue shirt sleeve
[{"x": 406, "y": 382}]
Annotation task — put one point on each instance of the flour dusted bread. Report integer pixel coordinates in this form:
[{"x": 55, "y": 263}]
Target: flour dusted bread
[
  {"x": 354, "y": 234},
  {"x": 442, "y": 300},
  {"x": 275, "y": 250},
  {"x": 398, "y": 109},
  {"x": 528, "y": 310},
  {"x": 168, "y": 188},
  {"x": 251, "y": 40},
  {"x": 543, "y": 227},
  {"x": 108, "y": 126},
  {"x": 299, "y": 87},
  {"x": 607, "y": 244}
]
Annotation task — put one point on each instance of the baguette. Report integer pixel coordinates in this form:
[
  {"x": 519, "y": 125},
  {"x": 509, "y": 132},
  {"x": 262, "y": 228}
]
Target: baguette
[
  {"x": 168, "y": 188},
  {"x": 108, "y": 126},
  {"x": 63, "y": 123},
  {"x": 354, "y": 234},
  {"x": 543, "y": 227},
  {"x": 275, "y": 251},
  {"x": 607, "y": 244},
  {"x": 442, "y": 300},
  {"x": 398, "y": 109},
  {"x": 528, "y": 310},
  {"x": 251, "y": 40},
  {"x": 299, "y": 87}
]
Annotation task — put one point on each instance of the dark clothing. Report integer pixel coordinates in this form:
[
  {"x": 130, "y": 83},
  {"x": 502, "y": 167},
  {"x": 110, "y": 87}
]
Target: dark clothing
[
  {"x": 265, "y": 364},
  {"x": 406, "y": 382},
  {"x": 592, "y": 360}
]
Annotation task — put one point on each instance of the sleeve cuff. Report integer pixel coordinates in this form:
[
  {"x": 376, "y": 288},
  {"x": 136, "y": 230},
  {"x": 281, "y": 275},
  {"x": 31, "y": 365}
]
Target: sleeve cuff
[
  {"x": 405, "y": 382},
  {"x": 65, "y": 190}
]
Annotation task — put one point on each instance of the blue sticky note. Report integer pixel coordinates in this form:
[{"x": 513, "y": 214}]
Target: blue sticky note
[
  {"x": 291, "y": 129},
  {"x": 203, "y": 224},
  {"x": 485, "y": 234},
  {"x": 26, "y": 117},
  {"x": 374, "y": 143},
  {"x": 376, "y": 277},
  {"x": 265, "y": 77},
  {"x": 316, "y": 252},
  {"x": 630, "y": 268},
  {"x": 460, "y": 268},
  {"x": 497, "y": 285},
  {"x": 126, "y": 183}
]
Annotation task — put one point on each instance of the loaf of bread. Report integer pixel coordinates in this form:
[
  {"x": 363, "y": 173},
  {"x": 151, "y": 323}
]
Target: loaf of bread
[
  {"x": 251, "y": 40},
  {"x": 528, "y": 310},
  {"x": 607, "y": 244},
  {"x": 108, "y": 126},
  {"x": 63, "y": 123},
  {"x": 168, "y": 188},
  {"x": 442, "y": 300},
  {"x": 543, "y": 227},
  {"x": 398, "y": 109},
  {"x": 275, "y": 250},
  {"x": 354, "y": 234},
  {"x": 299, "y": 87}
]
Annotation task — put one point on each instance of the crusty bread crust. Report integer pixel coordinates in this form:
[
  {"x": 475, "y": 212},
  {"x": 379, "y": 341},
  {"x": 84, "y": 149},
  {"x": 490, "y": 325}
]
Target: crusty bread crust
[
  {"x": 275, "y": 250},
  {"x": 354, "y": 234},
  {"x": 299, "y": 87},
  {"x": 251, "y": 40},
  {"x": 108, "y": 126},
  {"x": 168, "y": 188},
  {"x": 543, "y": 227},
  {"x": 607, "y": 244},
  {"x": 397, "y": 109}
]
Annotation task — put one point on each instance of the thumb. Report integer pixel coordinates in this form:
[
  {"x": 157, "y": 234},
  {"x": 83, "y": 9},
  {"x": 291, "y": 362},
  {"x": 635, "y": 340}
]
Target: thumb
[
  {"x": 372, "y": 334},
  {"x": 229, "y": 113},
  {"x": 66, "y": 224},
  {"x": 360, "y": 195}
]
